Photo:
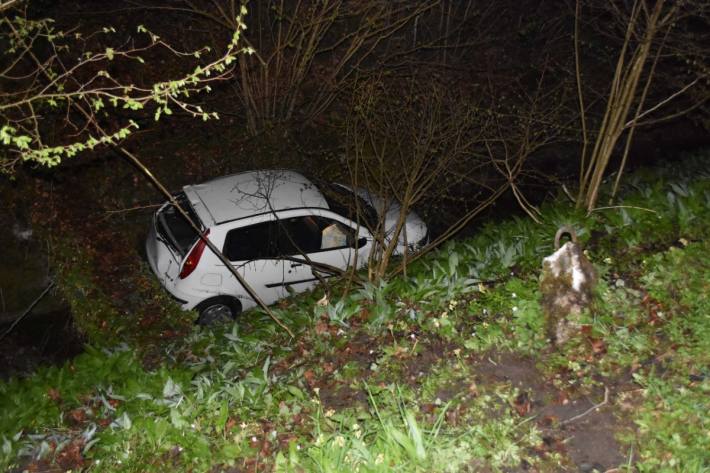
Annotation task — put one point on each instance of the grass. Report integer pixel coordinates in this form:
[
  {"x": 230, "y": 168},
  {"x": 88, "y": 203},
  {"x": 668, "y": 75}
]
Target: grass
[{"x": 447, "y": 369}]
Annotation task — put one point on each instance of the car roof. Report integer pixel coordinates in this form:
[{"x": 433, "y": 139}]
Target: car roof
[{"x": 252, "y": 193}]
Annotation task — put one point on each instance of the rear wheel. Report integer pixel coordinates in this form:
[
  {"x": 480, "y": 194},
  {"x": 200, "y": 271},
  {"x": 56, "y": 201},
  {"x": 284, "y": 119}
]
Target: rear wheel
[{"x": 218, "y": 310}]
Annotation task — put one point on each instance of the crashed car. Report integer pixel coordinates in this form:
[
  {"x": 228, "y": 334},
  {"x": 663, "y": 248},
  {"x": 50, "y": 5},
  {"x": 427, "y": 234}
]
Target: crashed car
[{"x": 281, "y": 231}]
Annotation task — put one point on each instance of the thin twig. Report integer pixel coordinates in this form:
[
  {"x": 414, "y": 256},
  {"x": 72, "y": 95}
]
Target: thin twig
[
  {"x": 661, "y": 103},
  {"x": 568, "y": 194},
  {"x": 138, "y": 207},
  {"x": 7, "y": 4},
  {"x": 590, "y": 410},
  {"x": 28, "y": 310}
]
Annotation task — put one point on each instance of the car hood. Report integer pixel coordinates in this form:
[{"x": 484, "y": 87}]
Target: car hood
[{"x": 414, "y": 232}]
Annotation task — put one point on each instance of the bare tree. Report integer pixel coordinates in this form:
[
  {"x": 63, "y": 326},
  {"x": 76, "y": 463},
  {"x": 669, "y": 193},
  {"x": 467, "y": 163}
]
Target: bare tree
[
  {"x": 420, "y": 143},
  {"x": 308, "y": 54},
  {"x": 655, "y": 32}
]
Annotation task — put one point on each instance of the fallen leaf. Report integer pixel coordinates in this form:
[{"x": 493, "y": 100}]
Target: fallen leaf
[
  {"x": 70, "y": 458},
  {"x": 562, "y": 398},
  {"x": 549, "y": 421},
  {"x": 310, "y": 377},
  {"x": 522, "y": 404},
  {"x": 265, "y": 448},
  {"x": 104, "y": 422},
  {"x": 452, "y": 416},
  {"x": 231, "y": 422},
  {"x": 598, "y": 346},
  {"x": 473, "y": 389},
  {"x": 78, "y": 415},
  {"x": 322, "y": 327},
  {"x": 54, "y": 395}
]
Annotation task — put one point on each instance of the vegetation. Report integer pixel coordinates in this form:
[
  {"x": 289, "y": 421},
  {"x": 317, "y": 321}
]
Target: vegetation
[
  {"x": 435, "y": 362},
  {"x": 444, "y": 369}
]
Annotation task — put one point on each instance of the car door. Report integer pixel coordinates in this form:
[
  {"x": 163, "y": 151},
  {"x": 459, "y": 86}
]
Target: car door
[
  {"x": 311, "y": 245},
  {"x": 253, "y": 251}
]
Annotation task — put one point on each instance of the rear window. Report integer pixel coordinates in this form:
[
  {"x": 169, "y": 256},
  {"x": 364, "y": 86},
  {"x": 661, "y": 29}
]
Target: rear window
[{"x": 174, "y": 228}]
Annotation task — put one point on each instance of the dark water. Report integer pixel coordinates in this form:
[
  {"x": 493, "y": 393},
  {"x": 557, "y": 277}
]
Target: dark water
[
  {"x": 46, "y": 334},
  {"x": 43, "y": 339}
]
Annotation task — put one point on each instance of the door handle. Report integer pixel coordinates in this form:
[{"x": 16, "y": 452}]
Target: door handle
[{"x": 294, "y": 265}]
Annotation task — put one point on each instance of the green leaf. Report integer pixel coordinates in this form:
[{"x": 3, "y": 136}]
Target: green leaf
[
  {"x": 223, "y": 415},
  {"x": 6, "y": 133},
  {"x": 23, "y": 141},
  {"x": 295, "y": 392},
  {"x": 176, "y": 419}
]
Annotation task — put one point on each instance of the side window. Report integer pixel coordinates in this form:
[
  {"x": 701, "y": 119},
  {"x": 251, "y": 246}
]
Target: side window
[
  {"x": 298, "y": 235},
  {"x": 335, "y": 235},
  {"x": 291, "y": 236},
  {"x": 252, "y": 242},
  {"x": 312, "y": 234}
]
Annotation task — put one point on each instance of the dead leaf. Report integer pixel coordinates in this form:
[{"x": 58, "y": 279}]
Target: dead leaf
[
  {"x": 598, "y": 346},
  {"x": 522, "y": 404},
  {"x": 231, "y": 422},
  {"x": 473, "y": 389},
  {"x": 70, "y": 458},
  {"x": 265, "y": 448},
  {"x": 77, "y": 416},
  {"x": 322, "y": 327},
  {"x": 562, "y": 398},
  {"x": 310, "y": 377},
  {"x": 452, "y": 416},
  {"x": 54, "y": 395},
  {"x": 549, "y": 421},
  {"x": 104, "y": 422}
]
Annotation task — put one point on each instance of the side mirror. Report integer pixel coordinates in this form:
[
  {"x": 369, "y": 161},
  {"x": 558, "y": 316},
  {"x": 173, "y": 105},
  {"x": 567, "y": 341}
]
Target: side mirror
[{"x": 359, "y": 243}]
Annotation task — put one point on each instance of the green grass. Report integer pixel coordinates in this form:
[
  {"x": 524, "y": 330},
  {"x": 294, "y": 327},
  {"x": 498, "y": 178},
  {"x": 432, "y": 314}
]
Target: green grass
[{"x": 388, "y": 378}]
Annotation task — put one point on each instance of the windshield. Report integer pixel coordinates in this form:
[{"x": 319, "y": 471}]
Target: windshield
[
  {"x": 345, "y": 202},
  {"x": 174, "y": 228}
]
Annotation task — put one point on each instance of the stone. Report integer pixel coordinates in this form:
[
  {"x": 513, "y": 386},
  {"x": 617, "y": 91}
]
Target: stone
[{"x": 566, "y": 284}]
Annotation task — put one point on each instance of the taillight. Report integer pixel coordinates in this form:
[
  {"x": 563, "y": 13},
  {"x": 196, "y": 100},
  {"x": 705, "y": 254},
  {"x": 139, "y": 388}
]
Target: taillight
[{"x": 194, "y": 257}]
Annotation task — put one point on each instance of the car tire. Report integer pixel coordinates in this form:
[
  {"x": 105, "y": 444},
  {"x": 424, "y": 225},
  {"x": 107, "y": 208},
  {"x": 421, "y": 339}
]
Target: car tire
[{"x": 218, "y": 310}]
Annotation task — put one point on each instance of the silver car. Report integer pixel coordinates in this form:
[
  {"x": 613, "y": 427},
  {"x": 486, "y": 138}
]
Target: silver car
[{"x": 276, "y": 227}]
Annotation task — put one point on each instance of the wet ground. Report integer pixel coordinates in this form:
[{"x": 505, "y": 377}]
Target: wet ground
[{"x": 581, "y": 426}]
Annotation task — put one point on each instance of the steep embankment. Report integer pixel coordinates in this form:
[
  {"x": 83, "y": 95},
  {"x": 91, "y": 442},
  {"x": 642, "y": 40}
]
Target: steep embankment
[{"x": 447, "y": 369}]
